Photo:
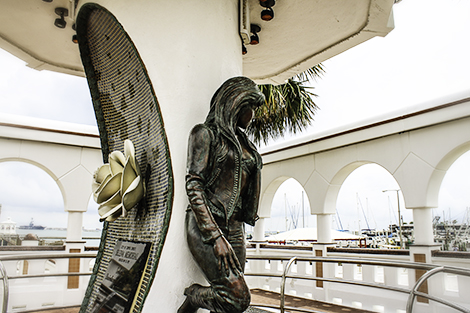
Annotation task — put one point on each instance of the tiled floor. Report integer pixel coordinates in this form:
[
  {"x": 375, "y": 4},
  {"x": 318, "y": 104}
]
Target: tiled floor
[{"x": 273, "y": 298}]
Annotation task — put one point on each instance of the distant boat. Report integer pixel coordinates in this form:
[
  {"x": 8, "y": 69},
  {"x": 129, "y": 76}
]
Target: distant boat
[{"x": 32, "y": 226}]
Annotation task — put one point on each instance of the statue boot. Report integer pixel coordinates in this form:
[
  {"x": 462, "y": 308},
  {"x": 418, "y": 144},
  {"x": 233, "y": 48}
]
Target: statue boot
[{"x": 197, "y": 297}]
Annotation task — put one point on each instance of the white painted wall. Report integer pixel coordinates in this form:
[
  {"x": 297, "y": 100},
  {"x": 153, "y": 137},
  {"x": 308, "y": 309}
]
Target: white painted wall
[{"x": 189, "y": 49}]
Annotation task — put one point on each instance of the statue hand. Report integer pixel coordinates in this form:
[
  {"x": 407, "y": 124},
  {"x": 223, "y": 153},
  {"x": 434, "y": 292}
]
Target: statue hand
[{"x": 224, "y": 253}]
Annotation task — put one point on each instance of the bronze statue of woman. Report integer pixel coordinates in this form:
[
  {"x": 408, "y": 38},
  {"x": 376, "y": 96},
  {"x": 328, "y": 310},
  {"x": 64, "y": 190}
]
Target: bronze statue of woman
[{"x": 222, "y": 184}]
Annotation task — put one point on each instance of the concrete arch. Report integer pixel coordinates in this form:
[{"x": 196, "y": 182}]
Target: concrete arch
[
  {"x": 431, "y": 151},
  {"x": 417, "y": 148},
  {"x": 69, "y": 153},
  {"x": 336, "y": 183},
  {"x": 273, "y": 175},
  {"x": 268, "y": 195},
  {"x": 443, "y": 166},
  {"x": 69, "y": 166},
  {"x": 42, "y": 167},
  {"x": 267, "y": 200}
]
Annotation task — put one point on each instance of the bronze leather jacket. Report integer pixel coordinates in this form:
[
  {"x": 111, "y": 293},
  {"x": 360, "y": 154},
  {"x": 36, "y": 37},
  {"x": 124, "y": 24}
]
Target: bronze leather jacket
[{"x": 214, "y": 181}]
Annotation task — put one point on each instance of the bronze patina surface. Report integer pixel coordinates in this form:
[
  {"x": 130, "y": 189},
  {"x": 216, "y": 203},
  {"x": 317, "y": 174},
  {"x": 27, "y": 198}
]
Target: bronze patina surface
[{"x": 223, "y": 185}]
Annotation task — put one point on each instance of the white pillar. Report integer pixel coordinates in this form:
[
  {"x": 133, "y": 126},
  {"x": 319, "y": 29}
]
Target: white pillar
[
  {"x": 258, "y": 230},
  {"x": 421, "y": 249},
  {"x": 422, "y": 222},
  {"x": 189, "y": 49},
  {"x": 320, "y": 249},
  {"x": 324, "y": 228},
  {"x": 74, "y": 241},
  {"x": 74, "y": 226}
]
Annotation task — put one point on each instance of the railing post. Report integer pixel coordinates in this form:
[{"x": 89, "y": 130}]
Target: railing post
[
  {"x": 422, "y": 254},
  {"x": 418, "y": 284},
  {"x": 6, "y": 288},
  {"x": 283, "y": 282}
]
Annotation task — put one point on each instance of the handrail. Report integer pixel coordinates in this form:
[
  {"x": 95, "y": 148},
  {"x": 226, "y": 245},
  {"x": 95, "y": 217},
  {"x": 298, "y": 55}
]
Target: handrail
[
  {"x": 430, "y": 268},
  {"x": 49, "y": 275},
  {"x": 414, "y": 291},
  {"x": 283, "y": 282},
  {"x": 6, "y": 288},
  {"x": 377, "y": 262},
  {"x": 21, "y": 257}
]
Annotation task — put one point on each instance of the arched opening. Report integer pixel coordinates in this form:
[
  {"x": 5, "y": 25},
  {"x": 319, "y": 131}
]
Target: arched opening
[
  {"x": 31, "y": 198},
  {"x": 451, "y": 219},
  {"x": 367, "y": 200},
  {"x": 290, "y": 208}
]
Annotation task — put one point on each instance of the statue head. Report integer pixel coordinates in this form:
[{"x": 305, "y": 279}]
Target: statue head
[{"x": 231, "y": 101}]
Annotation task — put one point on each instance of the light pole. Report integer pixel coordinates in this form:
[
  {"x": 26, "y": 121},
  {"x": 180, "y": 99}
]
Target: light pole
[{"x": 399, "y": 217}]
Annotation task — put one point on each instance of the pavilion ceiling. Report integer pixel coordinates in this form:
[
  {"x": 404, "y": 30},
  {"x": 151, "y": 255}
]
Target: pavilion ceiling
[{"x": 302, "y": 34}]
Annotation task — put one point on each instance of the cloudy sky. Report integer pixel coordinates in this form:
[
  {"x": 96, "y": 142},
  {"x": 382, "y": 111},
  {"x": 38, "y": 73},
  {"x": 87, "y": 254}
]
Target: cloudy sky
[{"x": 424, "y": 58}]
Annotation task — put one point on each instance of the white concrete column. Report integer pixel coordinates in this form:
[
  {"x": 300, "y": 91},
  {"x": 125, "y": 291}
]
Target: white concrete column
[
  {"x": 422, "y": 222},
  {"x": 74, "y": 242},
  {"x": 189, "y": 49},
  {"x": 324, "y": 228},
  {"x": 76, "y": 198},
  {"x": 74, "y": 226},
  {"x": 320, "y": 249},
  {"x": 258, "y": 230},
  {"x": 421, "y": 249}
]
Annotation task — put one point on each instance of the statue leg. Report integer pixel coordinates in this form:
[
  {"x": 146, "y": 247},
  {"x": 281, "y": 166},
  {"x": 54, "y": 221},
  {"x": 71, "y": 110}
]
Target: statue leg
[{"x": 226, "y": 293}]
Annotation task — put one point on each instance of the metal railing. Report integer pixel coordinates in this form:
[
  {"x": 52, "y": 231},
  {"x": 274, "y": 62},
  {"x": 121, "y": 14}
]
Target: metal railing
[
  {"x": 22, "y": 257},
  {"x": 412, "y": 293}
]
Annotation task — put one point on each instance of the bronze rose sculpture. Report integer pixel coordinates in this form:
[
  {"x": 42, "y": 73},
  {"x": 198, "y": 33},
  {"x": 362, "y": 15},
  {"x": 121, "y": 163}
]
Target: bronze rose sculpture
[{"x": 223, "y": 185}]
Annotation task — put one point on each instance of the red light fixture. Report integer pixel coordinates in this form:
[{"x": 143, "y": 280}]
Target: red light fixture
[
  {"x": 267, "y": 14},
  {"x": 255, "y": 29}
]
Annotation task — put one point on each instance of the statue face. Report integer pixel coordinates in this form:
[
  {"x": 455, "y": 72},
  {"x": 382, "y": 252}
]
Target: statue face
[{"x": 245, "y": 116}]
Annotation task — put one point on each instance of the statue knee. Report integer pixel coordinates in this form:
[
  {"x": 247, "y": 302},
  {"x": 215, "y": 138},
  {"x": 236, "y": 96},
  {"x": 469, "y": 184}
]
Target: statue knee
[
  {"x": 243, "y": 303},
  {"x": 236, "y": 306},
  {"x": 238, "y": 299}
]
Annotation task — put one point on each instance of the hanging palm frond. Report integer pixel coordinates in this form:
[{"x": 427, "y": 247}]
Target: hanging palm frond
[
  {"x": 289, "y": 107},
  {"x": 312, "y": 73}
]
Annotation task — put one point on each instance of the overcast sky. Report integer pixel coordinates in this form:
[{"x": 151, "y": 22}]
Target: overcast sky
[{"x": 424, "y": 58}]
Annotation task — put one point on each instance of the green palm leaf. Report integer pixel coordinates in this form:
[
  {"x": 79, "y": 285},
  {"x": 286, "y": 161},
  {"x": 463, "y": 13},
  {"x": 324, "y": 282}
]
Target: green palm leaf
[{"x": 289, "y": 107}]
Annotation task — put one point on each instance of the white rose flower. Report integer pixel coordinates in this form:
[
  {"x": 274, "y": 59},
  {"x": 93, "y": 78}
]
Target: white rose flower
[{"x": 118, "y": 185}]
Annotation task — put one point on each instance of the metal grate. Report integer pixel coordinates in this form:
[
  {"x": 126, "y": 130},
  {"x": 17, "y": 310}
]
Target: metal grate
[{"x": 126, "y": 108}]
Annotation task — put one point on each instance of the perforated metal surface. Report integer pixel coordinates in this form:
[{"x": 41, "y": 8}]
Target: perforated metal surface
[{"x": 126, "y": 108}]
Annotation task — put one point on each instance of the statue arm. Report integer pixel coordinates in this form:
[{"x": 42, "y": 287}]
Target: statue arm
[{"x": 197, "y": 172}]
